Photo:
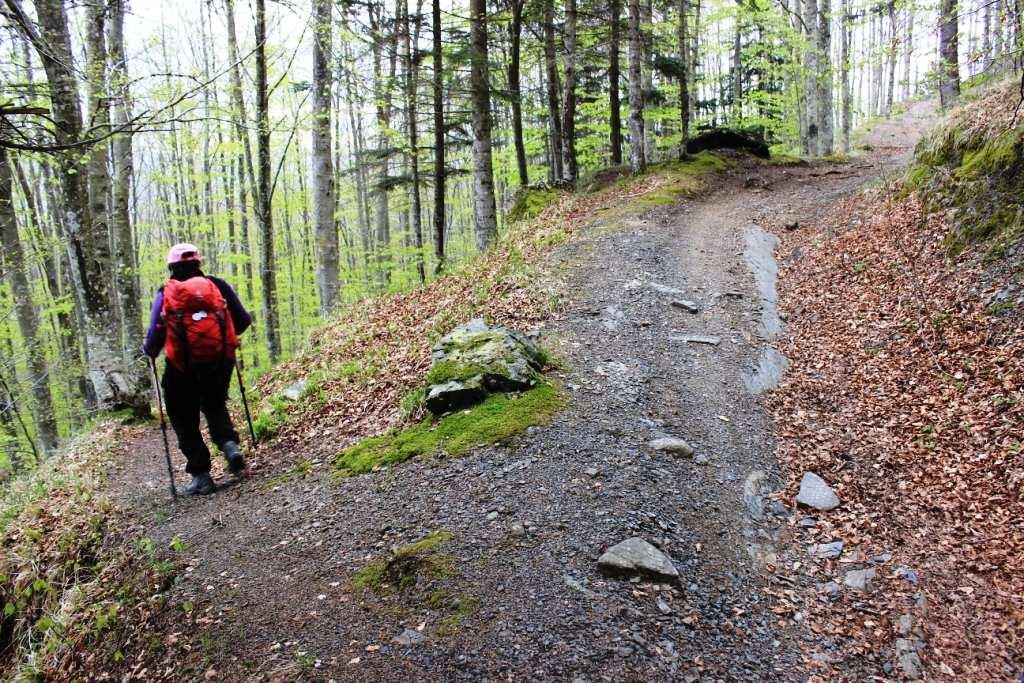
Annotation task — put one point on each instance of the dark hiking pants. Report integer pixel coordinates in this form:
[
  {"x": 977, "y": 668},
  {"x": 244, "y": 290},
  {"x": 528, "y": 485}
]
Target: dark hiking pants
[{"x": 203, "y": 388}]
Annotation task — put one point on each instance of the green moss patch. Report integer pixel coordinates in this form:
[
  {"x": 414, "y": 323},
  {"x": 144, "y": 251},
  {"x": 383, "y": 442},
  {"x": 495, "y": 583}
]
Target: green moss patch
[
  {"x": 404, "y": 567},
  {"x": 498, "y": 417},
  {"x": 530, "y": 201}
]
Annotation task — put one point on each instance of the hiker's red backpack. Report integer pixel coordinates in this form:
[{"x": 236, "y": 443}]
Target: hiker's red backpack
[{"x": 198, "y": 323}]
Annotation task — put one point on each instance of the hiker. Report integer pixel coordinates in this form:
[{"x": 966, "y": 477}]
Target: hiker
[{"x": 196, "y": 320}]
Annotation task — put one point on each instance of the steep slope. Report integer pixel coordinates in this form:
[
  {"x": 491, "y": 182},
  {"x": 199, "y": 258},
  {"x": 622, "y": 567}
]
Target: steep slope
[{"x": 907, "y": 351}]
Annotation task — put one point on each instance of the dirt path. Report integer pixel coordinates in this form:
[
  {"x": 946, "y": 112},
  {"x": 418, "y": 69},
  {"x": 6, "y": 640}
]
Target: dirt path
[{"x": 270, "y": 561}]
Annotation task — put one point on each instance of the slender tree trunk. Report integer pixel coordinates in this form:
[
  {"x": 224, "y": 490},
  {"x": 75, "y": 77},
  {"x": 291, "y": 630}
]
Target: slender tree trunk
[
  {"x": 847, "y": 94},
  {"x": 127, "y": 281},
  {"x": 891, "y": 56},
  {"x": 737, "y": 67},
  {"x": 986, "y": 36},
  {"x": 878, "y": 61},
  {"x": 515, "y": 30},
  {"x": 810, "y": 8},
  {"x": 246, "y": 176},
  {"x": 638, "y": 159},
  {"x": 684, "y": 90},
  {"x": 439, "y": 163},
  {"x": 570, "y": 169},
  {"x": 264, "y": 212},
  {"x": 25, "y": 311},
  {"x": 551, "y": 68},
  {"x": 615, "y": 105},
  {"x": 411, "y": 87},
  {"x": 647, "y": 73},
  {"x": 949, "y": 66},
  {"x": 908, "y": 53},
  {"x": 327, "y": 276},
  {"x": 826, "y": 135},
  {"x": 484, "y": 212}
]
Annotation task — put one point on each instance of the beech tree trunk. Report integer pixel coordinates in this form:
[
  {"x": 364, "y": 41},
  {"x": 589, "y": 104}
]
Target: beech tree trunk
[
  {"x": 908, "y": 53},
  {"x": 890, "y": 91},
  {"x": 846, "y": 90},
  {"x": 684, "y": 90},
  {"x": 439, "y": 169},
  {"x": 810, "y": 9},
  {"x": 411, "y": 70},
  {"x": 826, "y": 135},
  {"x": 25, "y": 312},
  {"x": 264, "y": 207},
  {"x": 949, "y": 66},
  {"x": 127, "y": 281},
  {"x": 569, "y": 167},
  {"x": 614, "y": 103},
  {"x": 484, "y": 213},
  {"x": 638, "y": 159},
  {"x": 515, "y": 30},
  {"x": 327, "y": 273},
  {"x": 551, "y": 69}
]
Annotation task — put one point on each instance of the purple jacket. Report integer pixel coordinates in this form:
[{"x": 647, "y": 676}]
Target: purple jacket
[{"x": 156, "y": 335}]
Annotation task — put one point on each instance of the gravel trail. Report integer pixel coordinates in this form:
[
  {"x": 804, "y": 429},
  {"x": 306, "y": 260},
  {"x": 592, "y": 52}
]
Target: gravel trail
[{"x": 268, "y": 563}]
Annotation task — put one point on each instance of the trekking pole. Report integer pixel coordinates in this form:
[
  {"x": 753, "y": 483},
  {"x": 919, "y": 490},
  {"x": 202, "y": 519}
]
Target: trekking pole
[
  {"x": 245, "y": 401},
  {"x": 163, "y": 427}
]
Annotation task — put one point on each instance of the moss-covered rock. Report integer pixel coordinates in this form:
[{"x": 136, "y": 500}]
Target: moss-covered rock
[{"x": 475, "y": 360}]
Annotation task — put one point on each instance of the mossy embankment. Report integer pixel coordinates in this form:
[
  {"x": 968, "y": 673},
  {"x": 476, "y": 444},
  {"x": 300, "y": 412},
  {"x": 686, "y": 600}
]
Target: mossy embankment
[
  {"x": 365, "y": 366},
  {"x": 972, "y": 168}
]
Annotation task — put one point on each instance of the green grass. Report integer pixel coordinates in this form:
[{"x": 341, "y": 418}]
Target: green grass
[
  {"x": 498, "y": 417},
  {"x": 530, "y": 201}
]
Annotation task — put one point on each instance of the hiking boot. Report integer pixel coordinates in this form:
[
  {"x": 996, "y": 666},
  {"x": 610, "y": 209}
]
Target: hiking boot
[
  {"x": 236, "y": 463},
  {"x": 201, "y": 485}
]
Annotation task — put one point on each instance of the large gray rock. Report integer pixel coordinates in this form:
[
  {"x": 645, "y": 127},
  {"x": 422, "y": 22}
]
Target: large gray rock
[
  {"x": 474, "y": 360},
  {"x": 637, "y": 556},
  {"x": 860, "y": 579},
  {"x": 816, "y": 493},
  {"x": 673, "y": 445}
]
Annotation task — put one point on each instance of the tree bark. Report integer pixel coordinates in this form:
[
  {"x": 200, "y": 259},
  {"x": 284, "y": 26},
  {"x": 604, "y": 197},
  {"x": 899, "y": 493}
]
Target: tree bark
[
  {"x": 484, "y": 212},
  {"x": 515, "y": 30},
  {"x": 264, "y": 208},
  {"x": 908, "y": 53},
  {"x": 949, "y": 66},
  {"x": 810, "y": 8},
  {"x": 683, "y": 40},
  {"x": 846, "y": 91},
  {"x": 826, "y": 135},
  {"x": 569, "y": 166},
  {"x": 647, "y": 72},
  {"x": 638, "y": 159},
  {"x": 25, "y": 311},
  {"x": 124, "y": 170},
  {"x": 614, "y": 103},
  {"x": 327, "y": 276},
  {"x": 551, "y": 69},
  {"x": 891, "y": 56},
  {"x": 439, "y": 163},
  {"x": 411, "y": 87}
]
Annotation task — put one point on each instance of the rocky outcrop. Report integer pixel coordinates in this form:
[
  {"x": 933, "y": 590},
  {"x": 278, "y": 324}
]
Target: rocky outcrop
[{"x": 475, "y": 360}]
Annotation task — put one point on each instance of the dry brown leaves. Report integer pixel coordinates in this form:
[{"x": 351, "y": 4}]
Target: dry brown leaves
[{"x": 907, "y": 396}]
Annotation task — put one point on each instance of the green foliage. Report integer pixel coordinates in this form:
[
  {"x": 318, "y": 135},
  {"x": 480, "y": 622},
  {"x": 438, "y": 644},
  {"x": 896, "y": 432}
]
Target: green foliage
[{"x": 496, "y": 418}]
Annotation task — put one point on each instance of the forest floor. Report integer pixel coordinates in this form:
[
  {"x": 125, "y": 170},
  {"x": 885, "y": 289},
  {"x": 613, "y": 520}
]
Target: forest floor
[{"x": 266, "y": 582}]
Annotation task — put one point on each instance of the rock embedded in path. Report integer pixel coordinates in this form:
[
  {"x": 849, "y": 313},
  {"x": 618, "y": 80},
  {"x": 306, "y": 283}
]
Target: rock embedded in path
[
  {"x": 673, "y": 445},
  {"x": 474, "y": 360},
  {"x": 637, "y": 556},
  {"x": 816, "y": 493},
  {"x": 860, "y": 579},
  {"x": 409, "y": 637},
  {"x": 688, "y": 306},
  {"x": 698, "y": 339},
  {"x": 827, "y": 551}
]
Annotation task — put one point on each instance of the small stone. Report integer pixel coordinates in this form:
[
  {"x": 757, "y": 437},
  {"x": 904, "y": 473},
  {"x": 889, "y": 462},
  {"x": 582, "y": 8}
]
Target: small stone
[
  {"x": 663, "y": 606},
  {"x": 688, "y": 306},
  {"x": 827, "y": 551},
  {"x": 816, "y": 493},
  {"x": 860, "y": 579},
  {"x": 906, "y": 625},
  {"x": 808, "y": 522},
  {"x": 577, "y": 585},
  {"x": 663, "y": 289},
  {"x": 910, "y": 662},
  {"x": 591, "y": 471},
  {"x": 698, "y": 339},
  {"x": 907, "y": 573},
  {"x": 409, "y": 637},
  {"x": 294, "y": 391},
  {"x": 777, "y": 508},
  {"x": 635, "y": 555},
  {"x": 701, "y": 459},
  {"x": 881, "y": 559},
  {"x": 492, "y": 515},
  {"x": 671, "y": 444},
  {"x": 518, "y": 530},
  {"x": 734, "y": 294},
  {"x": 831, "y": 590}
]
